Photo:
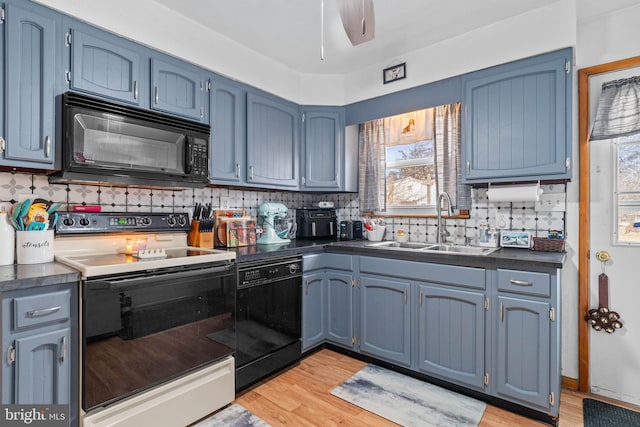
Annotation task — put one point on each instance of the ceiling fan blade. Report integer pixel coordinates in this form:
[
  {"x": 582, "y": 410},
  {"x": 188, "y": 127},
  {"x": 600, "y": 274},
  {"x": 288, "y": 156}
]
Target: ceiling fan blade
[{"x": 358, "y": 20}]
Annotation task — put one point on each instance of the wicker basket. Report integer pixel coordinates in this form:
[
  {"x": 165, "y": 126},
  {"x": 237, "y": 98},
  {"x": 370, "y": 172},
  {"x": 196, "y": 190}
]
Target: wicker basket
[{"x": 548, "y": 245}]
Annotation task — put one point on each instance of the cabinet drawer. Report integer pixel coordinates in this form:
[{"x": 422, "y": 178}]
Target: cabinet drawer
[
  {"x": 39, "y": 309},
  {"x": 470, "y": 277},
  {"x": 524, "y": 282},
  {"x": 339, "y": 262}
]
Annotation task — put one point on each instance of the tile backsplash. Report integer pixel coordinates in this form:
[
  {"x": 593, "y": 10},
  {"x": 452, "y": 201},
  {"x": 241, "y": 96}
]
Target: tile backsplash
[{"x": 520, "y": 216}]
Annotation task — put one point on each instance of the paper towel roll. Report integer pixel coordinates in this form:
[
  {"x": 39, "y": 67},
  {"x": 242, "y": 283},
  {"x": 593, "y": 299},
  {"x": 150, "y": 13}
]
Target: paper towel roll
[{"x": 515, "y": 193}]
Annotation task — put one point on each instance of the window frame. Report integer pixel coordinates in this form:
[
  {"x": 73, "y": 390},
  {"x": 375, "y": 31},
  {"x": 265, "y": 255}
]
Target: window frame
[{"x": 615, "y": 236}]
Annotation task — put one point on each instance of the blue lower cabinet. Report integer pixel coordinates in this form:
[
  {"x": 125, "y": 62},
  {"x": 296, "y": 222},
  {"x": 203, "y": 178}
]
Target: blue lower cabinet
[
  {"x": 314, "y": 315},
  {"x": 43, "y": 368},
  {"x": 40, "y": 344},
  {"x": 385, "y": 319},
  {"x": 340, "y": 308},
  {"x": 451, "y": 335},
  {"x": 523, "y": 352}
]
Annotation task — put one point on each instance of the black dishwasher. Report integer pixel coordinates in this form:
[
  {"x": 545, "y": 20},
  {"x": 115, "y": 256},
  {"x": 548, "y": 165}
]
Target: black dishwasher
[{"x": 268, "y": 318}]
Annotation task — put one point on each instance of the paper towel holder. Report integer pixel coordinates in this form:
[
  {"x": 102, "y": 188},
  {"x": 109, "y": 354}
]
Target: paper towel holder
[{"x": 507, "y": 196}]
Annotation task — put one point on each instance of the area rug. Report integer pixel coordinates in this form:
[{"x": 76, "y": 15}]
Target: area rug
[
  {"x": 602, "y": 414},
  {"x": 408, "y": 401},
  {"x": 233, "y": 416}
]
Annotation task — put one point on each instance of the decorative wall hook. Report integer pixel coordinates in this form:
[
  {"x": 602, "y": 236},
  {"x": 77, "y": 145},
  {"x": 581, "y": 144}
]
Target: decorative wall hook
[{"x": 602, "y": 318}]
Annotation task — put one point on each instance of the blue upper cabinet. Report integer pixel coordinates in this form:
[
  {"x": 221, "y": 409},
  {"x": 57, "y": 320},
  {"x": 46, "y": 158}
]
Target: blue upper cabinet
[
  {"x": 272, "y": 142},
  {"x": 517, "y": 120},
  {"x": 227, "y": 131},
  {"x": 29, "y": 101},
  {"x": 179, "y": 88},
  {"x": 323, "y": 150},
  {"x": 107, "y": 65}
]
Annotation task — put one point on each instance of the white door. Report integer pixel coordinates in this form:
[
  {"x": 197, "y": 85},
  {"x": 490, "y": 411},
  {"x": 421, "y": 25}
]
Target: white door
[{"x": 615, "y": 358}]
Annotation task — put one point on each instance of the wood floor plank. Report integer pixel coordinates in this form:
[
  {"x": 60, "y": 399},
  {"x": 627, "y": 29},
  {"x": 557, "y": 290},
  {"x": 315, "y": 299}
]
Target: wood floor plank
[{"x": 301, "y": 396}]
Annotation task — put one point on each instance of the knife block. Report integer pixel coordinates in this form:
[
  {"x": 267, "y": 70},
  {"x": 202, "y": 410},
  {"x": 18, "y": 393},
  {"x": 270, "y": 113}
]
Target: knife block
[{"x": 201, "y": 239}]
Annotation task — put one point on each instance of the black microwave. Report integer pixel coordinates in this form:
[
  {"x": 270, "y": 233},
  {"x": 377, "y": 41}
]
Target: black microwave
[{"x": 106, "y": 142}]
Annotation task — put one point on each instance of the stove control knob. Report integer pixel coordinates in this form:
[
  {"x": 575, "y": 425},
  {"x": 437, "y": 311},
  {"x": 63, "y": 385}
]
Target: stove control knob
[
  {"x": 293, "y": 268},
  {"x": 182, "y": 221},
  {"x": 146, "y": 220},
  {"x": 68, "y": 221},
  {"x": 84, "y": 222},
  {"x": 171, "y": 220}
]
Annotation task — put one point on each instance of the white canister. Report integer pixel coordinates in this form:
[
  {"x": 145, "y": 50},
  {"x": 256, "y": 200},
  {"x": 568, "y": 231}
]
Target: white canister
[
  {"x": 7, "y": 240},
  {"x": 34, "y": 247}
]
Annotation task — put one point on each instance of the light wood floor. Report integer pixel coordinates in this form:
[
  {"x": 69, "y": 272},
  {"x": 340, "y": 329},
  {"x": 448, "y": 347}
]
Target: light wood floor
[{"x": 301, "y": 396}]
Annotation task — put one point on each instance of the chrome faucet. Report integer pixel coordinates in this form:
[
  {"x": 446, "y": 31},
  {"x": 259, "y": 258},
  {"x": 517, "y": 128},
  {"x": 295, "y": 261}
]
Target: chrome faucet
[{"x": 441, "y": 236}]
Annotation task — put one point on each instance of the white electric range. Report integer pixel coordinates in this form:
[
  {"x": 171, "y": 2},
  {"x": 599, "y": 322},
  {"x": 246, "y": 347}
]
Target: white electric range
[{"x": 157, "y": 317}]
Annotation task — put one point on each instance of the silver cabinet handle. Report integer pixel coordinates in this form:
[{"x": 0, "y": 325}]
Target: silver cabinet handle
[
  {"x": 331, "y": 228},
  {"x": 237, "y": 170},
  {"x": 47, "y": 146},
  {"x": 156, "y": 96},
  {"x": 520, "y": 282},
  {"x": 405, "y": 295},
  {"x": 251, "y": 172},
  {"x": 135, "y": 89},
  {"x": 43, "y": 311},
  {"x": 468, "y": 166},
  {"x": 64, "y": 349},
  {"x": 307, "y": 287}
]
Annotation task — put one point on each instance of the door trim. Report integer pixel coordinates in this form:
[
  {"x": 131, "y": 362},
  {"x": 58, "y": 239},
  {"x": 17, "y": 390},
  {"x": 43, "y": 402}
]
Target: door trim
[{"x": 583, "y": 208}]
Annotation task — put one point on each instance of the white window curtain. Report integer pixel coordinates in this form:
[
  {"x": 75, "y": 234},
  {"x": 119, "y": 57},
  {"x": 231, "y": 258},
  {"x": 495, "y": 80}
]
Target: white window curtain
[
  {"x": 372, "y": 166},
  {"x": 618, "y": 111},
  {"x": 446, "y": 133}
]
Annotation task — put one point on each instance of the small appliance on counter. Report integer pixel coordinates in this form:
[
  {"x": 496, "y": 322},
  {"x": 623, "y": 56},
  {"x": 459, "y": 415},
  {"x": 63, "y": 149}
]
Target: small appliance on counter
[
  {"x": 270, "y": 212},
  {"x": 351, "y": 230},
  {"x": 316, "y": 222}
]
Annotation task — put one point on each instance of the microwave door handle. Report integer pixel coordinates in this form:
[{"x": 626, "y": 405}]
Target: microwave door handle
[{"x": 188, "y": 155}]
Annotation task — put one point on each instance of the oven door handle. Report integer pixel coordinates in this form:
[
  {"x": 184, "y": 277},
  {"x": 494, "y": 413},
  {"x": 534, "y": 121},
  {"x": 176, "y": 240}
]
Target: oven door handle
[{"x": 126, "y": 282}]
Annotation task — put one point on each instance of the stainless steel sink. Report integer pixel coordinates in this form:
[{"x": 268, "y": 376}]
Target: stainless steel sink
[
  {"x": 398, "y": 245},
  {"x": 459, "y": 249},
  {"x": 443, "y": 248}
]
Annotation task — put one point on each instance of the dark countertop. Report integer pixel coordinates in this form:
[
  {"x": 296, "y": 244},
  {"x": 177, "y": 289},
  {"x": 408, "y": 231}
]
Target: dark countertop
[
  {"x": 503, "y": 258},
  {"x": 21, "y": 276},
  {"x": 295, "y": 247},
  {"x": 33, "y": 275}
]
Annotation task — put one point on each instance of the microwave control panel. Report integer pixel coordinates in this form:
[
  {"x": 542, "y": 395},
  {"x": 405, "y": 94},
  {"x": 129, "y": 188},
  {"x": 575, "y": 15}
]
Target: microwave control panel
[{"x": 199, "y": 159}]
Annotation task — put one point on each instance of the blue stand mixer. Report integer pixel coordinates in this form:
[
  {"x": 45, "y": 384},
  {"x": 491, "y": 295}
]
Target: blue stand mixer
[{"x": 270, "y": 212}]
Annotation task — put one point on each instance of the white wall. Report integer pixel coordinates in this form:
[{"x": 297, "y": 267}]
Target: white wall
[
  {"x": 542, "y": 30},
  {"x": 614, "y": 359}
]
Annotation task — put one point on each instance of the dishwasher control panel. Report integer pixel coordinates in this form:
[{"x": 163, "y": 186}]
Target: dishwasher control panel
[{"x": 260, "y": 272}]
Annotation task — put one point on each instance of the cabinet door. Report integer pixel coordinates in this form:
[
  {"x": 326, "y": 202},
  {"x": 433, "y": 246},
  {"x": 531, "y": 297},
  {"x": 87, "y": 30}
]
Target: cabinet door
[
  {"x": 323, "y": 135},
  {"x": 272, "y": 142},
  {"x": 227, "y": 137},
  {"x": 178, "y": 88},
  {"x": 106, "y": 65},
  {"x": 313, "y": 310},
  {"x": 523, "y": 351},
  {"x": 385, "y": 319},
  {"x": 516, "y": 120},
  {"x": 30, "y": 46},
  {"x": 451, "y": 335},
  {"x": 42, "y": 368},
  {"x": 339, "y": 308}
]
